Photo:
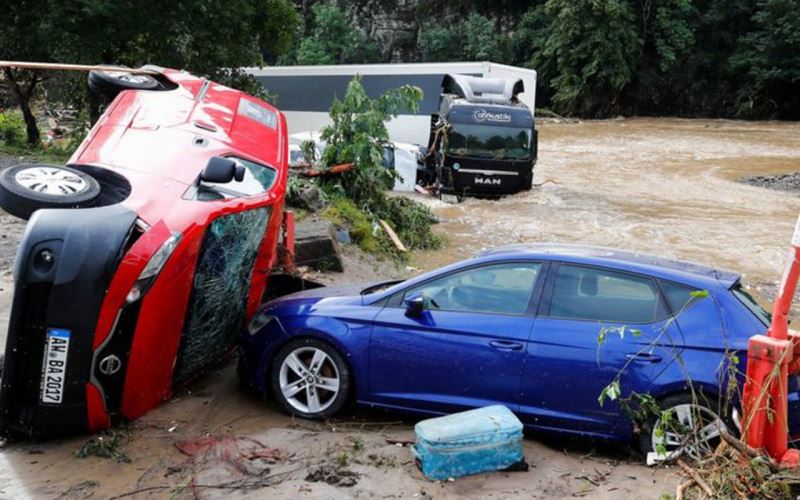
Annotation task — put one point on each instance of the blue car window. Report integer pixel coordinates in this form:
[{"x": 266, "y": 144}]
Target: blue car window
[
  {"x": 587, "y": 293},
  {"x": 496, "y": 288},
  {"x": 677, "y": 296}
]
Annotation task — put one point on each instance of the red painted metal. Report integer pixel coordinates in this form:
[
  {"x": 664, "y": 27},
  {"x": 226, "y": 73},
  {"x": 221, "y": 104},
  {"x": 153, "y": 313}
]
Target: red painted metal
[
  {"x": 288, "y": 242},
  {"x": 149, "y": 138},
  {"x": 770, "y": 360}
]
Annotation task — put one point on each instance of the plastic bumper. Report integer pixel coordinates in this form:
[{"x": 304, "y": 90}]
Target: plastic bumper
[{"x": 64, "y": 264}]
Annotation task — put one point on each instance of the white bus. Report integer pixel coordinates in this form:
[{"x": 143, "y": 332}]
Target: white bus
[{"x": 305, "y": 93}]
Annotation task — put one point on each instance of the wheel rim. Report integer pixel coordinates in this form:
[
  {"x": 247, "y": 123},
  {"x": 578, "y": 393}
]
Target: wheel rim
[
  {"x": 687, "y": 429},
  {"x": 309, "y": 380},
  {"x": 52, "y": 181},
  {"x": 129, "y": 77}
]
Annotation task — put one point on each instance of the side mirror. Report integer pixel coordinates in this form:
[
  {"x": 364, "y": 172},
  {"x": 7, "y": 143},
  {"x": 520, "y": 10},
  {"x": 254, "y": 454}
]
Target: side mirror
[
  {"x": 222, "y": 171},
  {"x": 415, "y": 304}
]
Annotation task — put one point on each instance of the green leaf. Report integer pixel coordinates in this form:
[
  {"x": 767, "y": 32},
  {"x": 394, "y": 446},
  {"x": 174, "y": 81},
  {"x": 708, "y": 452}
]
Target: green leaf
[
  {"x": 610, "y": 392},
  {"x": 698, "y": 294},
  {"x": 636, "y": 332}
]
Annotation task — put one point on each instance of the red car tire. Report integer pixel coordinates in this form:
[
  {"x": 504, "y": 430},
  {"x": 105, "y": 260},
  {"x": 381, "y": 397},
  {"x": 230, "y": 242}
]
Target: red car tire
[{"x": 28, "y": 187}]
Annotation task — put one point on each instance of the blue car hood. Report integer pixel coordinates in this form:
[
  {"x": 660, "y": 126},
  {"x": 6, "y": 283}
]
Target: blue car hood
[{"x": 320, "y": 297}]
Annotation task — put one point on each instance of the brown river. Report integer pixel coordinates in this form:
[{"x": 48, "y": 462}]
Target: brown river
[{"x": 662, "y": 186}]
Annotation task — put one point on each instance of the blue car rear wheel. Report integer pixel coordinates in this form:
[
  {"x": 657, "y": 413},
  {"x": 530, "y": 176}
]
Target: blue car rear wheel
[
  {"x": 687, "y": 426},
  {"x": 310, "y": 379}
]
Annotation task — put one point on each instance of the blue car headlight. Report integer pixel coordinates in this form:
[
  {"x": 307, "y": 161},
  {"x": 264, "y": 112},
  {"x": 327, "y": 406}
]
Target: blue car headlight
[{"x": 259, "y": 321}]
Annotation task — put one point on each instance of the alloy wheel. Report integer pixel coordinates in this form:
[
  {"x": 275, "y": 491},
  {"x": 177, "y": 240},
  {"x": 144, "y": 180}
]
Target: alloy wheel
[
  {"x": 309, "y": 380},
  {"x": 687, "y": 429},
  {"x": 129, "y": 77}
]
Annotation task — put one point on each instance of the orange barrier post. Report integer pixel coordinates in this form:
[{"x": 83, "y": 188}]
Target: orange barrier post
[{"x": 764, "y": 399}]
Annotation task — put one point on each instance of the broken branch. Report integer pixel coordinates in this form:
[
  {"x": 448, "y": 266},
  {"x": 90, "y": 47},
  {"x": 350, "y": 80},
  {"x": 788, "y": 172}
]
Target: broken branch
[
  {"x": 696, "y": 477},
  {"x": 393, "y": 236}
]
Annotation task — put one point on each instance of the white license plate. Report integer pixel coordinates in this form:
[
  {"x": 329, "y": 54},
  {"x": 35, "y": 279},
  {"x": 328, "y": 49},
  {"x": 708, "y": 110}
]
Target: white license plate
[{"x": 54, "y": 368}]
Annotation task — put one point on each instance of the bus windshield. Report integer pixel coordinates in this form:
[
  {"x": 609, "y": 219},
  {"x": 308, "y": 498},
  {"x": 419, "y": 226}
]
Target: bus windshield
[{"x": 489, "y": 141}]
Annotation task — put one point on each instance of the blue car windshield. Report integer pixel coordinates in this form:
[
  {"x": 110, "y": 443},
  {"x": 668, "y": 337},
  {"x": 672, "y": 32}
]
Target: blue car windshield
[{"x": 750, "y": 303}]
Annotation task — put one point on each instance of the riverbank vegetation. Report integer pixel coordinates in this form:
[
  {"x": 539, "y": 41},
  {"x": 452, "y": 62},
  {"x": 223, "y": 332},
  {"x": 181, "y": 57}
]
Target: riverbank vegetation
[{"x": 595, "y": 58}]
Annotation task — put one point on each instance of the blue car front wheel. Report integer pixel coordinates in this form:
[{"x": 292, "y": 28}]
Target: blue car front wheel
[{"x": 310, "y": 379}]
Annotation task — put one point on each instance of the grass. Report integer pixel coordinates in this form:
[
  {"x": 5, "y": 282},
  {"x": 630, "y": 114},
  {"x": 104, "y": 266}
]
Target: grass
[
  {"x": 106, "y": 445},
  {"x": 342, "y": 212},
  {"x": 52, "y": 154}
]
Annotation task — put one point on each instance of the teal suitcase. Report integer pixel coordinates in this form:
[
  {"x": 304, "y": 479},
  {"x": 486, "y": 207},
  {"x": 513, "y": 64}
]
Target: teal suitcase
[{"x": 471, "y": 442}]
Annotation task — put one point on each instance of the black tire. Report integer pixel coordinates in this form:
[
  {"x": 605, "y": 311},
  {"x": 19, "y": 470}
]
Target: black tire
[
  {"x": 337, "y": 401},
  {"x": 707, "y": 406},
  {"x": 110, "y": 84},
  {"x": 22, "y": 201}
]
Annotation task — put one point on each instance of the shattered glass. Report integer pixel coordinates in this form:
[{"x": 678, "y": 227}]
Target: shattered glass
[{"x": 221, "y": 285}]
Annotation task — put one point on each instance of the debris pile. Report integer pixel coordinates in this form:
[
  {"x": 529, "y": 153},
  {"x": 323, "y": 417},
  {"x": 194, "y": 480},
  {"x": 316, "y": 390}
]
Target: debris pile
[{"x": 735, "y": 470}]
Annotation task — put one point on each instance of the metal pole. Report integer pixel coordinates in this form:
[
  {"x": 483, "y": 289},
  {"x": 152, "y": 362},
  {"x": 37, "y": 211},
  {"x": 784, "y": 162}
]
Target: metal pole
[{"x": 74, "y": 67}]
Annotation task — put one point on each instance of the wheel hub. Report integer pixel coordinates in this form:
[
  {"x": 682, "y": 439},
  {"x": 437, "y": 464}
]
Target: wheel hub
[
  {"x": 691, "y": 429},
  {"x": 309, "y": 380},
  {"x": 51, "y": 181}
]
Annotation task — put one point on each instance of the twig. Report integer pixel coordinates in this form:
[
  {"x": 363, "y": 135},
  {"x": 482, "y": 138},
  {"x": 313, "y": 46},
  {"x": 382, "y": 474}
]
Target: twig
[
  {"x": 233, "y": 485},
  {"x": 393, "y": 236},
  {"x": 694, "y": 475},
  {"x": 681, "y": 489},
  {"x": 748, "y": 451},
  {"x": 140, "y": 490}
]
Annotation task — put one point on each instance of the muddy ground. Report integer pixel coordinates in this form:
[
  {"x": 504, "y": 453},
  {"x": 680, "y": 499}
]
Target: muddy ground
[{"x": 661, "y": 186}]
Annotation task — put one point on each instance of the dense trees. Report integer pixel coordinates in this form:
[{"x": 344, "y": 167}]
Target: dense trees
[
  {"x": 334, "y": 41},
  {"x": 731, "y": 58},
  {"x": 213, "y": 38}
]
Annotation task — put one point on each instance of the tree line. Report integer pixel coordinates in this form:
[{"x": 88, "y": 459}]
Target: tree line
[
  {"x": 595, "y": 58},
  {"x": 599, "y": 58}
]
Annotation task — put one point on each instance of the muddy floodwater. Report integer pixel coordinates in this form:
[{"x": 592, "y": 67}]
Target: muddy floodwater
[{"x": 662, "y": 186}]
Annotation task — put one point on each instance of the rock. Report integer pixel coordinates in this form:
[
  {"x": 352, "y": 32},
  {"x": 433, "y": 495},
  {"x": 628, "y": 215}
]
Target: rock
[
  {"x": 316, "y": 246},
  {"x": 343, "y": 236},
  {"x": 309, "y": 198}
]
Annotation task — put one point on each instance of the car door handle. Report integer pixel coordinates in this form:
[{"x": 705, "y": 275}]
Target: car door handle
[
  {"x": 505, "y": 345},
  {"x": 644, "y": 357}
]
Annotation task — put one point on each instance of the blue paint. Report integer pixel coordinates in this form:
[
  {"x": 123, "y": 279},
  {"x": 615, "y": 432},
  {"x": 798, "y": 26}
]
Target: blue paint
[{"x": 548, "y": 370}]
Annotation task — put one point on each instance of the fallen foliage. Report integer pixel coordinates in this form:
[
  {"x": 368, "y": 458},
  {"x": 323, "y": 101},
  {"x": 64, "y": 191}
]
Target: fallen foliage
[{"x": 735, "y": 470}]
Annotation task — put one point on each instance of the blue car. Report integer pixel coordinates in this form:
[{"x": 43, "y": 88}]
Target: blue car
[{"x": 542, "y": 329}]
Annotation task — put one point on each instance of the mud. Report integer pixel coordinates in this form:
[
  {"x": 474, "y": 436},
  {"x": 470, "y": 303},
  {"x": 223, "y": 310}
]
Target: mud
[{"x": 661, "y": 186}]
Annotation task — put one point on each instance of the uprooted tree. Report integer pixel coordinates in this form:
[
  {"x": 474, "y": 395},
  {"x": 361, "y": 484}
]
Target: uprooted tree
[{"x": 357, "y": 135}]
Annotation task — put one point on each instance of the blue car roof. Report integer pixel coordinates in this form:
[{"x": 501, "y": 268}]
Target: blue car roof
[{"x": 674, "y": 270}]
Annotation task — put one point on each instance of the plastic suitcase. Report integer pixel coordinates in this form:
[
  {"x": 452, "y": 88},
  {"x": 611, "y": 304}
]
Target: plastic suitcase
[{"x": 482, "y": 440}]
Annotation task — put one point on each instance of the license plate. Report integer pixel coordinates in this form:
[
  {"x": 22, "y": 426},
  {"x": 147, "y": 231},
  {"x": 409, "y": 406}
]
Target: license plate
[{"x": 54, "y": 367}]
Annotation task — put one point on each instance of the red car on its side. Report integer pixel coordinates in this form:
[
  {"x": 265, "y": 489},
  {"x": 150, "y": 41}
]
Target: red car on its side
[{"x": 144, "y": 256}]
